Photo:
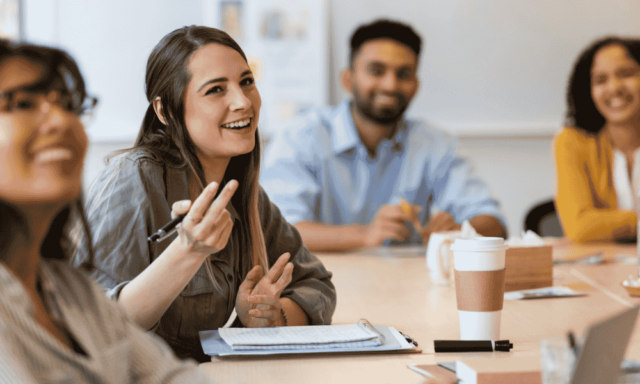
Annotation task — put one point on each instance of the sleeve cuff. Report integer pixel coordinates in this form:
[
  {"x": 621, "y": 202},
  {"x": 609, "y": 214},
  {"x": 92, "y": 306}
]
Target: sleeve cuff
[
  {"x": 316, "y": 308},
  {"x": 114, "y": 293}
]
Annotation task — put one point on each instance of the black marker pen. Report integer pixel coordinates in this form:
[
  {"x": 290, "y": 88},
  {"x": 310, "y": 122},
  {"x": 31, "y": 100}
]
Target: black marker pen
[
  {"x": 471, "y": 345},
  {"x": 167, "y": 230}
]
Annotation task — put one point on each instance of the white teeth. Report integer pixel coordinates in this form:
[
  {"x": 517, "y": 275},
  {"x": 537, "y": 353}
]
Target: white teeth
[
  {"x": 238, "y": 124},
  {"x": 53, "y": 154},
  {"x": 616, "y": 102}
]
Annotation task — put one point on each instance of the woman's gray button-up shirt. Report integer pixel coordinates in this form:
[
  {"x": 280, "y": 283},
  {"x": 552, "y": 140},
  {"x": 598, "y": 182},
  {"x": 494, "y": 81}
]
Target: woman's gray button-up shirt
[{"x": 132, "y": 198}]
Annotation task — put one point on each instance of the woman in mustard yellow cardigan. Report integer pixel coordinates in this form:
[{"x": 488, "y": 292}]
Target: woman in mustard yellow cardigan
[{"x": 597, "y": 154}]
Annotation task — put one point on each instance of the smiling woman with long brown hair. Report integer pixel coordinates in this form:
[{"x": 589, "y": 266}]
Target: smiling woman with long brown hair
[
  {"x": 198, "y": 153},
  {"x": 56, "y": 325}
]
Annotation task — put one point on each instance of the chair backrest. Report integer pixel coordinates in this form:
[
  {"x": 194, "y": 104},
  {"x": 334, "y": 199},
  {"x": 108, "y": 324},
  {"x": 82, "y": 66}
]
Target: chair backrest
[{"x": 543, "y": 220}]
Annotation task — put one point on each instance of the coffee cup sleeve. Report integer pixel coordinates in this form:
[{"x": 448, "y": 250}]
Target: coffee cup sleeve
[{"x": 470, "y": 283}]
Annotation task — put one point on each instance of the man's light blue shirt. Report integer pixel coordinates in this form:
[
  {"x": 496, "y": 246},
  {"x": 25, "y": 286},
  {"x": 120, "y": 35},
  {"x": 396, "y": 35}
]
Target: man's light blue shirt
[{"x": 319, "y": 170}]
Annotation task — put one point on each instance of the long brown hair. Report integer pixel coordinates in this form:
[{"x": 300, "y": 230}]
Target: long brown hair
[{"x": 167, "y": 77}]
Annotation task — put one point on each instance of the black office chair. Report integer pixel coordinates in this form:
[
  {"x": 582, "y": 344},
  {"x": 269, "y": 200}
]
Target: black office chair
[{"x": 543, "y": 220}]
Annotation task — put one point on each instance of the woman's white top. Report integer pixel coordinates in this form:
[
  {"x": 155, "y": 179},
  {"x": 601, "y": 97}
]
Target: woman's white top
[{"x": 626, "y": 189}]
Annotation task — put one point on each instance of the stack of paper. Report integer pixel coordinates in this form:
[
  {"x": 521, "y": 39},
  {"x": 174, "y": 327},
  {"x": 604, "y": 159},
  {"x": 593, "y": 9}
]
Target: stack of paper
[
  {"x": 337, "y": 336},
  {"x": 307, "y": 339}
]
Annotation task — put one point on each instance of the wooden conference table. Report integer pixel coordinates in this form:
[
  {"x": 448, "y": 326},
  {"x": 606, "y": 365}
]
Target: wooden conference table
[{"x": 392, "y": 287}]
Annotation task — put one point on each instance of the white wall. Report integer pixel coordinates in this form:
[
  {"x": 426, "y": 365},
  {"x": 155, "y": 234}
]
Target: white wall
[
  {"x": 492, "y": 71},
  {"x": 519, "y": 170}
]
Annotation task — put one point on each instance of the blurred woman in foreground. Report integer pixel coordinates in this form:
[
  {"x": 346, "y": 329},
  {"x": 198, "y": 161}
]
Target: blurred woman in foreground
[{"x": 55, "y": 324}]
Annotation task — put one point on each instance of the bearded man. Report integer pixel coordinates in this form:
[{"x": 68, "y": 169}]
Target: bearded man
[{"x": 360, "y": 174}]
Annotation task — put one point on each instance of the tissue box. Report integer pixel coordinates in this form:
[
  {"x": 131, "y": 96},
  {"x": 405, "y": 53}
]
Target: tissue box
[{"x": 528, "y": 267}]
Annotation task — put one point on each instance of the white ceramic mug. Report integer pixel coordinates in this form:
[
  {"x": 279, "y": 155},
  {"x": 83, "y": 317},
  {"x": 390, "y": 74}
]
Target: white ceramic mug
[
  {"x": 480, "y": 276},
  {"x": 439, "y": 256}
]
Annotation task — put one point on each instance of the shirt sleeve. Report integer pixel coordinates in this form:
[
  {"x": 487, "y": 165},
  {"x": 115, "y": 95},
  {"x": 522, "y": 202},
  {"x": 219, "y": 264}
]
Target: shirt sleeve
[
  {"x": 150, "y": 359},
  {"x": 290, "y": 175},
  {"x": 311, "y": 287},
  {"x": 580, "y": 218},
  {"x": 154, "y": 362},
  {"x": 456, "y": 187},
  {"x": 121, "y": 217}
]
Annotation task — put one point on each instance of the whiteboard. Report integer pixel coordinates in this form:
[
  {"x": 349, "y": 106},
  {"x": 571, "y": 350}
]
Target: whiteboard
[
  {"x": 488, "y": 67},
  {"x": 287, "y": 48}
]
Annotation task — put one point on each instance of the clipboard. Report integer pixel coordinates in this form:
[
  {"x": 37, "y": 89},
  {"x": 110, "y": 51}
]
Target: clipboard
[{"x": 392, "y": 342}]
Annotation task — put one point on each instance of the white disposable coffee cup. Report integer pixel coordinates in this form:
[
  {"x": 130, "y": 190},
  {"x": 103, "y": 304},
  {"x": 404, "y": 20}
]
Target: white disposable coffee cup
[
  {"x": 479, "y": 275},
  {"x": 439, "y": 257}
]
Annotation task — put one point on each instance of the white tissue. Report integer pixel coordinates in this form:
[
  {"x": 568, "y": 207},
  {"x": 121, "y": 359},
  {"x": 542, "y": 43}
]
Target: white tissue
[
  {"x": 527, "y": 239},
  {"x": 631, "y": 282},
  {"x": 467, "y": 231}
]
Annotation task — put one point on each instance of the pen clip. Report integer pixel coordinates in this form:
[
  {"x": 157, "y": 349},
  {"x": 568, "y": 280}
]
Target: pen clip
[
  {"x": 367, "y": 325},
  {"x": 167, "y": 234},
  {"x": 169, "y": 229}
]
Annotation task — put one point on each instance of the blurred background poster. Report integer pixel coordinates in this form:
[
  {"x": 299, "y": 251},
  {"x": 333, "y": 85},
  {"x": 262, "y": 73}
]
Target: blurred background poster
[
  {"x": 10, "y": 19},
  {"x": 286, "y": 43}
]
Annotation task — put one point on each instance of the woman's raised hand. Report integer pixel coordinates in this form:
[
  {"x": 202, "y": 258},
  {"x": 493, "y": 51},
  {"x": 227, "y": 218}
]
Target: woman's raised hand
[
  {"x": 207, "y": 226},
  {"x": 258, "y": 300}
]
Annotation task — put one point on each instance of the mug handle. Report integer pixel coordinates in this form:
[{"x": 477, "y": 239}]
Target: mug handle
[{"x": 444, "y": 265}]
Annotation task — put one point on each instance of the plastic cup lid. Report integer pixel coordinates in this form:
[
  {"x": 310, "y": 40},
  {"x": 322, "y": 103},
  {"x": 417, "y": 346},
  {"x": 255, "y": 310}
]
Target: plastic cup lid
[{"x": 479, "y": 244}]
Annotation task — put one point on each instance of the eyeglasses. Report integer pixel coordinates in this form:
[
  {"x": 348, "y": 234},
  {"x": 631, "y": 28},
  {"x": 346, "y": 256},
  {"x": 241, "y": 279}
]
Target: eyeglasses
[{"x": 60, "y": 88}]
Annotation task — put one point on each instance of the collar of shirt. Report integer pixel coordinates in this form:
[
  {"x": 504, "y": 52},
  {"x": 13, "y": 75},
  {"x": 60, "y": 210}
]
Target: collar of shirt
[
  {"x": 17, "y": 296},
  {"x": 345, "y": 136},
  {"x": 47, "y": 278},
  {"x": 14, "y": 294}
]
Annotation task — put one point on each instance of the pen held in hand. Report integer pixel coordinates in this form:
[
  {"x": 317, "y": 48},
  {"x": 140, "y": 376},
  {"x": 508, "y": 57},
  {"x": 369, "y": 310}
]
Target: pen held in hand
[
  {"x": 427, "y": 213},
  {"x": 408, "y": 209},
  {"x": 169, "y": 229}
]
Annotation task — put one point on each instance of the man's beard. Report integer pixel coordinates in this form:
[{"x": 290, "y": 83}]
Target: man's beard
[{"x": 383, "y": 116}]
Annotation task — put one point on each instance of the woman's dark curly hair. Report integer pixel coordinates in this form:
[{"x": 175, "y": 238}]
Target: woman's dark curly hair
[
  {"x": 57, "y": 243},
  {"x": 581, "y": 110}
]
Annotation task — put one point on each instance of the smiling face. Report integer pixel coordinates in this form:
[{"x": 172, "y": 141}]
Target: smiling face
[
  {"x": 222, "y": 103},
  {"x": 615, "y": 84},
  {"x": 382, "y": 80},
  {"x": 42, "y": 144}
]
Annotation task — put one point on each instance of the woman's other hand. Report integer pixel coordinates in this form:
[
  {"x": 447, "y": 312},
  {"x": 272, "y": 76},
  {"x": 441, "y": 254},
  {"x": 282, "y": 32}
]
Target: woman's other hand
[
  {"x": 258, "y": 301},
  {"x": 207, "y": 226}
]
